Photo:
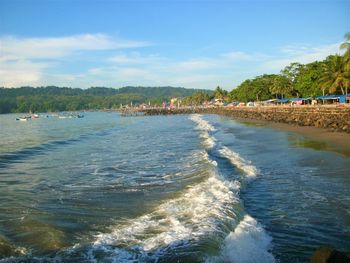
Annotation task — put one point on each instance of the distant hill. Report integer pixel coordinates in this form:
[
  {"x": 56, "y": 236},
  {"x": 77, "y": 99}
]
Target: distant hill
[{"x": 52, "y": 98}]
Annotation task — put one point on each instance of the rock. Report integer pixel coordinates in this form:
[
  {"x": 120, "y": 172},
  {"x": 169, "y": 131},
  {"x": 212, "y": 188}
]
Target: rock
[
  {"x": 318, "y": 123},
  {"x": 7, "y": 249},
  {"x": 329, "y": 255},
  {"x": 345, "y": 128}
]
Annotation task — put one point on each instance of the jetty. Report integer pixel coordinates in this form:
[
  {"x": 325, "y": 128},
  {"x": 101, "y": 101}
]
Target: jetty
[{"x": 127, "y": 112}]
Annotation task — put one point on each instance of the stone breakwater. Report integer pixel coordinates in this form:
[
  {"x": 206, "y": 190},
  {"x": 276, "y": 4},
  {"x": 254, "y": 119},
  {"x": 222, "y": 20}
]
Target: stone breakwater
[{"x": 331, "y": 118}]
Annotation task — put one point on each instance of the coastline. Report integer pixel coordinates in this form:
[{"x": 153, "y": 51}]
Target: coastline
[
  {"x": 333, "y": 118},
  {"x": 335, "y": 141},
  {"x": 321, "y": 128}
]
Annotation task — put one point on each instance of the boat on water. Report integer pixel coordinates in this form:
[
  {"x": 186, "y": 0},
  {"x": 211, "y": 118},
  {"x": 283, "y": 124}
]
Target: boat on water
[
  {"x": 23, "y": 118},
  {"x": 63, "y": 116}
]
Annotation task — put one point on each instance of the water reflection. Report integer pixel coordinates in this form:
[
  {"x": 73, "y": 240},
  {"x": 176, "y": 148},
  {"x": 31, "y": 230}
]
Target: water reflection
[{"x": 300, "y": 141}]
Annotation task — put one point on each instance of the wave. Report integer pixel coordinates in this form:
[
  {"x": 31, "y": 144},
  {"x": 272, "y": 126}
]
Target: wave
[
  {"x": 207, "y": 210},
  {"x": 41, "y": 149},
  {"x": 248, "y": 169},
  {"x": 204, "y": 127},
  {"x": 246, "y": 244},
  {"x": 202, "y": 210},
  {"x": 201, "y": 123}
]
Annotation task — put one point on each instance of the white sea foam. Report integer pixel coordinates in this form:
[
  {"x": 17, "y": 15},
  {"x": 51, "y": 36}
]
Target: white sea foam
[
  {"x": 248, "y": 243},
  {"x": 197, "y": 212},
  {"x": 201, "y": 123},
  {"x": 204, "y": 127},
  {"x": 248, "y": 169},
  {"x": 189, "y": 217}
]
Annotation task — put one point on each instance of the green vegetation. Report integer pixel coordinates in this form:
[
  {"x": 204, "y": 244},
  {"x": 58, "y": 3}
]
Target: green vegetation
[
  {"x": 52, "y": 98},
  {"x": 330, "y": 76}
]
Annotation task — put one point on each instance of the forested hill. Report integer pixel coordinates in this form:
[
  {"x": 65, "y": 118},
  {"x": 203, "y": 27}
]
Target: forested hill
[{"x": 52, "y": 98}]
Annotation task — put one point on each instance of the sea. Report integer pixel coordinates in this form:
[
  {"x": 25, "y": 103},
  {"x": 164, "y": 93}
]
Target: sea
[{"x": 180, "y": 188}]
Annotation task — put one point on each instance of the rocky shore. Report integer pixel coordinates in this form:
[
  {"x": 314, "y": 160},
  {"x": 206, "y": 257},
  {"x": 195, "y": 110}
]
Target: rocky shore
[{"x": 332, "y": 118}]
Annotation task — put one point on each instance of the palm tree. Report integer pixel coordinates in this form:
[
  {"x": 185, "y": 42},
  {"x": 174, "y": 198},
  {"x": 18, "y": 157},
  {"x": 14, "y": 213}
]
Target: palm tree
[
  {"x": 219, "y": 93},
  {"x": 335, "y": 76},
  {"x": 281, "y": 85},
  {"x": 346, "y": 46}
]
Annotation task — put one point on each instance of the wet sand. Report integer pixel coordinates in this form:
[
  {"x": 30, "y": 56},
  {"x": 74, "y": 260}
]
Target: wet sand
[{"x": 336, "y": 141}]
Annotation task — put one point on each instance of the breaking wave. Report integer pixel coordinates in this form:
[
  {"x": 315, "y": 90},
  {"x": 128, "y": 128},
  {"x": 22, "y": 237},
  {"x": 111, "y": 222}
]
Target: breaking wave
[
  {"x": 246, "y": 244},
  {"x": 201, "y": 211},
  {"x": 249, "y": 170},
  {"x": 205, "y": 128},
  {"x": 207, "y": 218}
]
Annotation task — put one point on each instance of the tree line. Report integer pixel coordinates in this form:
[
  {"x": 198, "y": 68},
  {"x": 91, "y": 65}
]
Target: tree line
[{"x": 52, "y": 98}]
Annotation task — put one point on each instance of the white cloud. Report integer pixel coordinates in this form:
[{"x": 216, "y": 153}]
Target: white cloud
[
  {"x": 20, "y": 73},
  {"x": 13, "y": 48},
  {"x": 21, "y": 63},
  {"x": 95, "y": 71},
  {"x": 196, "y": 80},
  {"x": 133, "y": 73},
  {"x": 195, "y": 64},
  {"x": 21, "y": 58},
  {"x": 238, "y": 56},
  {"x": 134, "y": 58},
  {"x": 302, "y": 54}
]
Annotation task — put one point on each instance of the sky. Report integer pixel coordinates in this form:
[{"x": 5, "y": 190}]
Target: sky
[{"x": 191, "y": 44}]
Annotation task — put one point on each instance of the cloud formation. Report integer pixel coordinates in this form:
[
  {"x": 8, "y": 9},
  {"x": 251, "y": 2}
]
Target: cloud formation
[
  {"x": 97, "y": 59},
  {"x": 24, "y": 60},
  {"x": 56, "y": 47},
  {"x": 302, "y": 54}
]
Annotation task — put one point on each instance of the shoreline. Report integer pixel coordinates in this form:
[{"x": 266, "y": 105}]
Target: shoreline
[
  {"x": 321, "y": 128},
  {"x": 336, "y": 141}
]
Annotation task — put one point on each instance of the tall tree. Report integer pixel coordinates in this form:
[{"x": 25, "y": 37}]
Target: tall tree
[
  {"x": 346, "y": 46},
  {"x": 307, "y": 82},
  {"x": 220, "y": 93},
  {"x": 335, "y": 76},
  {"x": 281, "y": 86}
]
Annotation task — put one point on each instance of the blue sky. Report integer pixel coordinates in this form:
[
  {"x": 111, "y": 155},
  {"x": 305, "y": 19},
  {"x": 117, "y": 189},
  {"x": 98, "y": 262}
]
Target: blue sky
[{"x": 192, "y": 44}]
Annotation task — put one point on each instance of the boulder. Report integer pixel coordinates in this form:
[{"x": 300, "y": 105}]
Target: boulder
[{"x": 329, "y": 255}]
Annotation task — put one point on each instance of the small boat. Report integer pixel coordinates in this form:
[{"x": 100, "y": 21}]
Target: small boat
[{"x": 23, "y": 118}]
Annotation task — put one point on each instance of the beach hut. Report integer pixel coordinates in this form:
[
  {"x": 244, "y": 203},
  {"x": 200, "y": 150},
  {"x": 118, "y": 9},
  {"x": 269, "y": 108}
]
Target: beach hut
[
  {"x": 332, "y": 99},
  {"x": 300, "y": 101},
  {"x": 281, "y": 101}
]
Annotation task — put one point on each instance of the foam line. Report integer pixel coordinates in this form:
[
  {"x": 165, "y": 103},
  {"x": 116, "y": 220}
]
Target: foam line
[
  {"x": 248, "y": 243},
  {"x": 248, "y": 169},
  {"x": 199, "y": 211},
  {"x": 204, "y": 127}
]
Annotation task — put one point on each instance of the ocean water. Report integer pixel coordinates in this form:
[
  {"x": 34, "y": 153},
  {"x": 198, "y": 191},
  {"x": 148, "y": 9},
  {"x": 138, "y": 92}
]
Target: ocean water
[{"x": 185, "y": 188}]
